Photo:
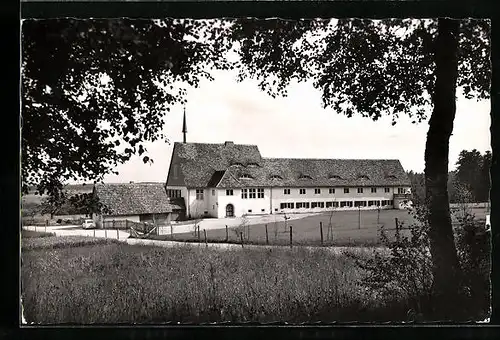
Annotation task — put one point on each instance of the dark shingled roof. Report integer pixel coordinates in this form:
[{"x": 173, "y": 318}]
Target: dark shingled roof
[
  {"x": 134, "y": 198},
  {"x": 223, "y": 166},
  {"x": 199, "y": 161}
]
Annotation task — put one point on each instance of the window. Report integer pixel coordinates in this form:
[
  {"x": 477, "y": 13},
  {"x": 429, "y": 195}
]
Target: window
[
  {"x": 286, "y": 205},
  {"x": 374, "y": 190},
  {"x": 346, "y": 190},
  {"x": 302, "y": 205},
  {"x": 286, "y": 191},
  {"x": 363, "y": 177},
  {"x": 401, "y": 191},
  {"x": 229, "y": 192},
  {"x": 260, "y": 193},
  {"x": 314, "y": 204},
  {"x": 321, "y": 204},
  {"x": 317, "y": 191},
  {"x": 275, "y": 209},
  {"x": 305, "y": 177},
  {"x": 262, "y": 210},
  {"x": 251, "y": 164},
  {"x": 372, "y": 203},
  {"x": 276, "y": 177},
  {"x": 386, "y": 190},
  {"x": 249, "y": 210},
  {"x": 391, "y": 202},
  {"x": 251, "y": 193},
  {"x": 245, "y": 176},
  {"x": 244, "y": 193},
  {"x": 331, "y": 190},
  {"x": 334, "y": 177},
  {"x": 344, "y": 204},
  {"x": 360, "y": 203},
  {"x": 332, "y": 204},
  {"x": 199, "y": 194},
  {"x": 302, "y": 191},
  {"x": 173, "y": 193},
  {"x": 213, "y": 192},
  {"x": 360, "y": 190}
]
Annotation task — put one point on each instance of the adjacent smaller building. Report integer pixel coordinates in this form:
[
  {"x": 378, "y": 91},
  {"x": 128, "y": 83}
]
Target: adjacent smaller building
[{"x": 138, "y": 202}]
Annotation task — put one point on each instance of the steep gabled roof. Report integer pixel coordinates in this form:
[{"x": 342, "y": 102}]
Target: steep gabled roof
[
  {"x": 134, "y": 198},
  {"x": 199, "y": 161},
  {"x": 282, "y": 172},
  {"x": 231, "y": 165}
]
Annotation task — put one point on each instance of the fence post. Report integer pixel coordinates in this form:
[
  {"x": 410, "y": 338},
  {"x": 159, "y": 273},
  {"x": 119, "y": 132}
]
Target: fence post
[
  {"x": 248, "y": 232},
  {"x": 105, "y": 233},
  {"x": 290, "y": 236},
  {"x": 267, "y": 238},
  {"x": 397, "y": 224},
  {"x": 227, "y": 235},
  {"x": 198, "y": 233},
  {"x": 359, "y": 217},
  {"x": 205, "y": 232},
  {"x": 117, "y": 234},
  {"x": 171, "y": 231},
  {"x": 113, "y": 224},
  {"x": 241, "y": 237},
  {"x": 94, "y": 232},
  {"x": 321, "y": 231}
]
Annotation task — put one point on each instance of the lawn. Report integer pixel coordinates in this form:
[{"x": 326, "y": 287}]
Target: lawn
[
  {"x": 347, "y": 228},
  {"x": 120, "y": 283}
]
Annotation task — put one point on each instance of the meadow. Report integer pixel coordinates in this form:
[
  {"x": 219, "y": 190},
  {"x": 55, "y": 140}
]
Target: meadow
[
  {"x": 346, "y": 228},
  {"x": 120, "y": 283}
]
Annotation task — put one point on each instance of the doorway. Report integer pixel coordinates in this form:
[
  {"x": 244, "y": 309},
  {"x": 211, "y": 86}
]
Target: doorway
[{"x": 229, "y": 210}]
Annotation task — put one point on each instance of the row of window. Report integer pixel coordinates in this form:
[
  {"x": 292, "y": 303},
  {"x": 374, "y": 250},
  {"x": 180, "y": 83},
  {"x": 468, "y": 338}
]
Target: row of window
[
  {"x": 259, "y": 193},
  {"x": 174, "y": 193},
  {"x": 335, "y": 204}
]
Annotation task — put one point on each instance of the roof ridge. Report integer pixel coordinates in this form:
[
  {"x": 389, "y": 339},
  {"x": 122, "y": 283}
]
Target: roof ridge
[
  {"x": 332, "y": 159},
  {"x": 223, "y": 143}
]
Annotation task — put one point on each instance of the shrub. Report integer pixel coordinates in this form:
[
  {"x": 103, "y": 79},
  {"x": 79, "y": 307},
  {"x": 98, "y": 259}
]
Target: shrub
[{"x": 407, "y": 269}]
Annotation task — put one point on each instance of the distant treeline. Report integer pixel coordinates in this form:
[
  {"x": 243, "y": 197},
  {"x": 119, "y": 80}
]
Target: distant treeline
[{"x": 470, "y": 182}]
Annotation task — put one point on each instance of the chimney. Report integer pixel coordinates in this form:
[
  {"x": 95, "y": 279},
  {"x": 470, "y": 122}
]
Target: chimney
[{"x": 228, "y": 143}]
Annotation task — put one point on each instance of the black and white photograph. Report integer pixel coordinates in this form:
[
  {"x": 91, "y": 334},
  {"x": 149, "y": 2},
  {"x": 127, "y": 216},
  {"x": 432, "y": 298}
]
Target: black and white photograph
[{"x": 234, "y": 170}]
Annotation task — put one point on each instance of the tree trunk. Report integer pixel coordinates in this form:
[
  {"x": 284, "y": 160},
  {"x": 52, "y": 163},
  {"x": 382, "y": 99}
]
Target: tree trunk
[{"x": 446, "y": 268}]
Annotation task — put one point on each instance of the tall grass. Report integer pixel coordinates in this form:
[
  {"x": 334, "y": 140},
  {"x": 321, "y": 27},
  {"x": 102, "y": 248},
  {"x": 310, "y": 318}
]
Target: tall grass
[{"x": 119, "y": 283}]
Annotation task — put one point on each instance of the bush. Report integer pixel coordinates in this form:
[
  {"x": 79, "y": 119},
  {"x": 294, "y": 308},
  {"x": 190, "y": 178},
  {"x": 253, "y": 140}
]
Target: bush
[
  {"x": 407, "y": 270},
  {"x": 55, "y": 242}
]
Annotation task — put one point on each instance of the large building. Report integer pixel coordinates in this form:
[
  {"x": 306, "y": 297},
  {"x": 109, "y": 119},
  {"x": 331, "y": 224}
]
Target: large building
[{"x": 225, "y": 180}]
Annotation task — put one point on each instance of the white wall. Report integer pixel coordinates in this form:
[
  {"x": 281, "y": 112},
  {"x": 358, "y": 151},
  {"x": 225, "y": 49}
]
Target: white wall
[
  {"x": 134, "y": 218},
  {"x": 241, "y": 206}
]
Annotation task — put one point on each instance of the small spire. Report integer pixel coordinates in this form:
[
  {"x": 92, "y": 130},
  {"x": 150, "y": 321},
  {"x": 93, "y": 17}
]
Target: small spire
[{"x": 184, "y": 127}]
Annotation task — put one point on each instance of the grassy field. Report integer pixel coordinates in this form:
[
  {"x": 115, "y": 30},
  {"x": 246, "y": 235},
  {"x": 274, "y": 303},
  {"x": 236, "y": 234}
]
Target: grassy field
[
  {"x": 115, "y": 283},
  {"x": 348, "y": 228}
]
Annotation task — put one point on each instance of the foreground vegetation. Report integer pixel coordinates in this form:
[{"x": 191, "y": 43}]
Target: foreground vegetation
[
  {"x": 85, "y": 280},
  {"x": 116, "y": 283}
]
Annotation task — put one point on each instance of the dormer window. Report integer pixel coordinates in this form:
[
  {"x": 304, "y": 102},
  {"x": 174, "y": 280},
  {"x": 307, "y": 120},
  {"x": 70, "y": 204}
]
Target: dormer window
[
  {"x": 245, "y": 176},
  {"x": 252, "y": 164},
  {"x": 334, "y": 177},
  {"x": 305, "y": 177},
  {"x": 236, "y": 164},
  {"x": 363, "y": 177},
  {"x": 390, "y": 177},
  {"x": 276, "y": 177}
]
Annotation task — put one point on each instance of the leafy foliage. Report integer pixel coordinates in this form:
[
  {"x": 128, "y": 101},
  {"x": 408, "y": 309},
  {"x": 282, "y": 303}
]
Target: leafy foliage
[
  {"x": 93, "y": 91},
  {"x": 368, "y": 67}
]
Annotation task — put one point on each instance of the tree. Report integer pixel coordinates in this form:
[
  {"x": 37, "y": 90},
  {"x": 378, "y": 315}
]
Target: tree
[
  {"x": 417, "y": 187},
  {"x": 372, "y": 68},
  {"x": 469, "y": 166},
  {"x": 93, "y": 91}
]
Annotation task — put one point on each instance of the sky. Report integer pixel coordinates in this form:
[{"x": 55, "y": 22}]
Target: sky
[{"x": 298, "y": 127}]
